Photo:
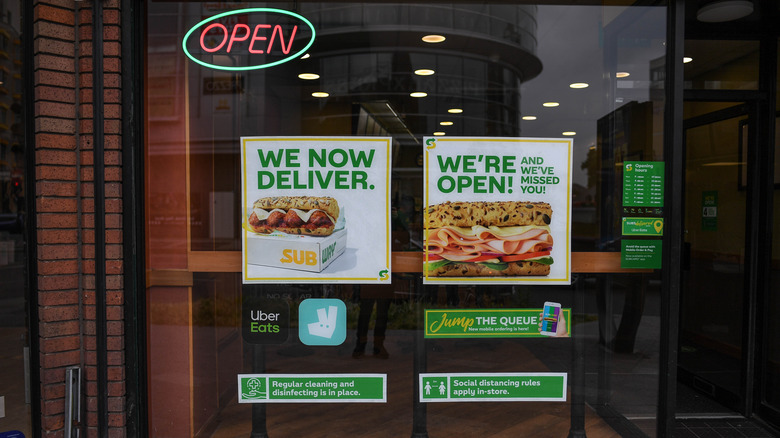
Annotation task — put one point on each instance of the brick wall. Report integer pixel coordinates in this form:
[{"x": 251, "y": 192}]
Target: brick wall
[{"x": 65, "y": 208}]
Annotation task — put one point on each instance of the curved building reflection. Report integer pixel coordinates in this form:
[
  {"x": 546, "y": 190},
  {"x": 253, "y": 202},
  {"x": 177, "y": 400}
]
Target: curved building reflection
[{"x": 366, "y": 57}]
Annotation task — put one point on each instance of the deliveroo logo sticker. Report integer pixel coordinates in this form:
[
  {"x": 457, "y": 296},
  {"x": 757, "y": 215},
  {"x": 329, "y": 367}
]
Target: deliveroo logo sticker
[{"x": 322, "y": 321}]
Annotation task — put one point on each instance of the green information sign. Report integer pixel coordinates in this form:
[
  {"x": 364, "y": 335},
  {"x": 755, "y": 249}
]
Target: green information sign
[
  {"x": 486, "y": 323},
  {"x": 643, "y": 226},
  {"x": 643, "y": 184},
  {"x": 487, "y": 387},
  {"x": 312, "y": 388},
  {"x": 640, "y": 254},
  {"x": 709, "y": 210}
]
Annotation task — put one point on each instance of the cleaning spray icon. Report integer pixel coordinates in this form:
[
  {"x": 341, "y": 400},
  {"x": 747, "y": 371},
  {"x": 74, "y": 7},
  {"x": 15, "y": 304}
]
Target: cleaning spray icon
[{"x": 326, "y": 322}]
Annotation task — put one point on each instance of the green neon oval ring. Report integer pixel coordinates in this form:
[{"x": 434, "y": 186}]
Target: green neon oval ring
[{"x": 251, "y": 67}]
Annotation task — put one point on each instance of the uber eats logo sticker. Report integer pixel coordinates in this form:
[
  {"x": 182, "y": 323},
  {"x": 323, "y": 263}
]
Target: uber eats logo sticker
[{"x": 265, "y": 321}]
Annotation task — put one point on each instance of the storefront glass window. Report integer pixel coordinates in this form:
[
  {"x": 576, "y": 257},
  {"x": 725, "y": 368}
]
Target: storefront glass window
[
  {"x": 494, "y": 76},
  {"x": 14, "y": 337},
  {"x": 721, "y": 64}
]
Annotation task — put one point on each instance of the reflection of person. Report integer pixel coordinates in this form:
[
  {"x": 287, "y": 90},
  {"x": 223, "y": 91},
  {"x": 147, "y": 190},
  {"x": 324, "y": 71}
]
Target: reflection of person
[
  {"x": 407, "y": 225},
  {"x": 560, "y": 330},
  {"x": 368, "y": 295}
]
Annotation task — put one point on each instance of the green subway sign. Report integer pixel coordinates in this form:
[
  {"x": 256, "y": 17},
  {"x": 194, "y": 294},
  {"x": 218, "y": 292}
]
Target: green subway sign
[
  {"x": 643, "y": 226},
  {"x": 312, "y": 388},
  {"x": 492, "y": 387},
  {"x": 643, "y": 184},
  {"x": 640, "y": 254},
  {"x": 486, "y": 323}
]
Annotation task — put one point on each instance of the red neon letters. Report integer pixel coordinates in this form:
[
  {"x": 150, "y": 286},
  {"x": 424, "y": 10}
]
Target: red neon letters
[{"x": 241, "y": 32}]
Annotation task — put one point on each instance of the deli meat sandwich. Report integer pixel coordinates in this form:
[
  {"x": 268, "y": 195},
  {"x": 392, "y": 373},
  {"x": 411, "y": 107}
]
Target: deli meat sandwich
[
  {"x": 315, "y": 216},
  {"x": 473, "y": 239}
]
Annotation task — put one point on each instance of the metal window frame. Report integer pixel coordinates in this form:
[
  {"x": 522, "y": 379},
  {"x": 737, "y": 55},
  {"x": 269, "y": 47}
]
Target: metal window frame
[
  {"x": 30, "y": 231},
  {"x": 133, "y": 219}
]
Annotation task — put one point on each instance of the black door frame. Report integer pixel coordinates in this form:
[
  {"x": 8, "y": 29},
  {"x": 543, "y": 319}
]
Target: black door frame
[
  {"x": 758, "y": 242},
  {"x": 761, "y": 179},
  {"x": 747, "y": 360}
]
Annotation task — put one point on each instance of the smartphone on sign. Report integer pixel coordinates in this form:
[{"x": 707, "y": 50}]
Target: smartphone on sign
[{"x": 550, "y": 315}]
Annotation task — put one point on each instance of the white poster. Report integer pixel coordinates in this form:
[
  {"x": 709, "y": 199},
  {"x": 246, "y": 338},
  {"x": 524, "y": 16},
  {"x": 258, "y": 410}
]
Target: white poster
[
  {"x": 497, "y": 210},
  {"x": 315, "y": 209}
]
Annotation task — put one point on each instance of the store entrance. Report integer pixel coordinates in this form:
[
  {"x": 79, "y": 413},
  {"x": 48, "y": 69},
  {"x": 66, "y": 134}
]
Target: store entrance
[{"x": 712, "y": 352}]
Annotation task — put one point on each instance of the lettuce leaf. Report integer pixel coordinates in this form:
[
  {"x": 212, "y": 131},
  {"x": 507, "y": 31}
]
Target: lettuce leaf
[
  {"x": 500, "y": 266},
  {"x": 543, "y": 260},
  {"x": 432, "y": 266}
]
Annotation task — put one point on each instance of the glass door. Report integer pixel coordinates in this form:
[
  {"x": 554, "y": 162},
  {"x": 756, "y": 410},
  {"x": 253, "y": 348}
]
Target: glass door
[
  {"x": 770, "y": 363},
  {"x": 770, "y": 395},
  {"x": 712, "y": 301}
]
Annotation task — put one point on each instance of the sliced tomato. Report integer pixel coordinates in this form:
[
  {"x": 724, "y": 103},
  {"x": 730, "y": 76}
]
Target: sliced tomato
[
  {"x": 434, "y": 257},
  {"x": 526, "y": 256}
]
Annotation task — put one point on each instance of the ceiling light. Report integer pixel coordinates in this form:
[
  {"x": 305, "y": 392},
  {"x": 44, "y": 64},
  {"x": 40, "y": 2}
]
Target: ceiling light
[
  {"x": 454, "y": 110},
  {"x": 622, "y": 74},
  {"x": 424, "y": 72},
  {"x": 550, "y": 104},
  {"x": 320, "y": 94},
  {"x": 687, "y": 59},
  {"x": 419, "y": 94},
  {"x": 445, "y": 123},
  {"x": 720, "y": 11},
  {"x": 439, "y": 133},
  {"x": 306, "y": 56},
  {"x": 529, "y": 117},
  {"x": 309, "y": 76},
  {"x": 433, "y": 38},
  {"x": 578, "y": 85},
  {"x": 568, "y": 133}
]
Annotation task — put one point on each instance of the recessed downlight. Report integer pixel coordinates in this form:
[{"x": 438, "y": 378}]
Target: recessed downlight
[
  {"x": 418, "y": 94},
  {"x": 724, "y": 10},
  {"x": 578, "y": 85},
  {"x": 319, "y": 94},
  {"x": 622, "y": 74},
  {"x": 550, "y": 104},
  {"x": 445, "y": 123},
  {"x": 424, "y": 72},
  {"x": 529, "y": 117},
  {"x": 309, "y": 76},
  {"x": 454, "y": 110},
  {"x": 433, "y": 38},
  {"x": 568, "y": 133},
  {"x": 687, "y": 59},
  {"x": 439, "y": 133}
]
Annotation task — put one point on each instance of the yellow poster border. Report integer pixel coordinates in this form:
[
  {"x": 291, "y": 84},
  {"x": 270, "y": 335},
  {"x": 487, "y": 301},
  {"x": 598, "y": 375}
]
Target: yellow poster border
[
  {"x": 325, "y": 280},
  {"x": 488, "y": 280}
]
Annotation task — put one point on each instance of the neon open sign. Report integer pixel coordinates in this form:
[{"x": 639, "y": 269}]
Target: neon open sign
[{"x": 262, "y": 38}]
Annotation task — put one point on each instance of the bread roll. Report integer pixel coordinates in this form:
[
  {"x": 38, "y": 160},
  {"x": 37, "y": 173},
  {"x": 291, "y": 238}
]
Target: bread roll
[
  {"x": 326, "y": 204},
  {"x": 515, "y": 269},
  {"x": 499, "y": 214}
]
